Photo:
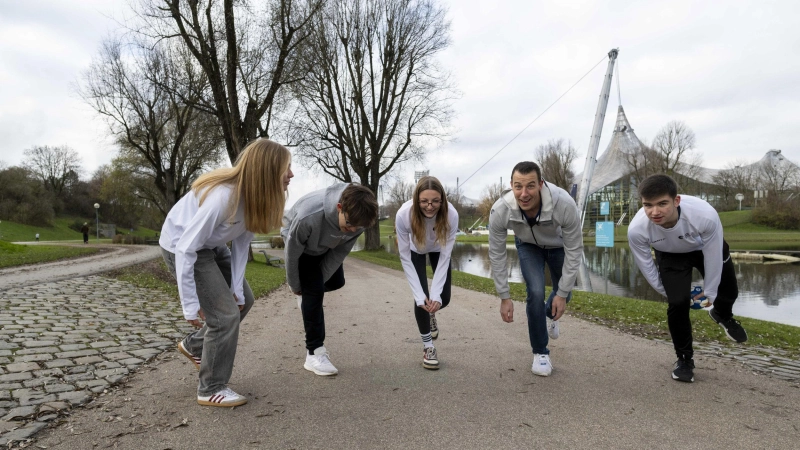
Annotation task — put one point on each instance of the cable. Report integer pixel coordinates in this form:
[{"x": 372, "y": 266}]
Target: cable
[
  {"x": 619, "y": 92},
  {"x": 531, "y": 123}
]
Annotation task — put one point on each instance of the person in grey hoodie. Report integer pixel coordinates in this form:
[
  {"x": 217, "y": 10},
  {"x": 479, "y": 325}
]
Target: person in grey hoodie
[
  {"x": 319, "y": 231},
  {"x": 547, "y": 230}
]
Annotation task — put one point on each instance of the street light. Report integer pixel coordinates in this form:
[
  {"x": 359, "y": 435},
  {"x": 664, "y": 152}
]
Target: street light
[
  {"x": 97, "y": 219},
  {"x": 740, "y": 197}
]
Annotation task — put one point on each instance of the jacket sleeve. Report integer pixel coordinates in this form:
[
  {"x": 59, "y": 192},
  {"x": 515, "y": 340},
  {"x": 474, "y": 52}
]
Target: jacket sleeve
[
  {"x": 712, "y": 258},
  {"x": 404, "y": 251},
  {"x": 196, "y": 233},
  {"x": 239, "y": 252},
  {"x": 335, "y": 257},
  {"x": 295, "y": 239},
  {"x": 573, "y": 247},
  {"x": 440, "y": 276},
  {"x": 644, "y": 260},
  {"x": 498, "y": 254}
]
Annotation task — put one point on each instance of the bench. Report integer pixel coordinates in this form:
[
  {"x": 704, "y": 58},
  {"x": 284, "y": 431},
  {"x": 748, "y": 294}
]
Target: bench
[{"x": 271, "y": 260}]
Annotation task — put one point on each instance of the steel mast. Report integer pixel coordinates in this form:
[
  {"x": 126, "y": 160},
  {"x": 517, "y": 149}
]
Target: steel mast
[{"x": 594, "y": 142}]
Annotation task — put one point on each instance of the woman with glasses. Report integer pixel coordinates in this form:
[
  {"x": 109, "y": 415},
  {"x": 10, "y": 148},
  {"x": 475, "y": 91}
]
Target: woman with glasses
[{"x": 427, "y": 225}]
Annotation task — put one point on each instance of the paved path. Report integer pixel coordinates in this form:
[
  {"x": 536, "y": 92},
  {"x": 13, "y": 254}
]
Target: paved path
[
  {"x": 113, "y": 257},
  {"x": 608, "y": 390}
]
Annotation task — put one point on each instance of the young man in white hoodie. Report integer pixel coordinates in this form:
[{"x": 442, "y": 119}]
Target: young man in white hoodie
[
  {"x": 547, "y": 230},
  {"x": 685, "y": 233}
]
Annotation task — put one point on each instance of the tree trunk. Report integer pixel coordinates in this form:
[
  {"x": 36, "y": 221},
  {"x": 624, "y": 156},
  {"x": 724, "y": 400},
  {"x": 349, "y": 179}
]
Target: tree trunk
[{"x": 372, "y": 237}]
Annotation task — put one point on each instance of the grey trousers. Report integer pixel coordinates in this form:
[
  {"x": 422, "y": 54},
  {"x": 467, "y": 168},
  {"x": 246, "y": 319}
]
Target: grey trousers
[{"x": 216, "y": 342}]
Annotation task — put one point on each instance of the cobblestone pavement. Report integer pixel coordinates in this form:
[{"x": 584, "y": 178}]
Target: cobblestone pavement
[{"x": 63, "y": 342}]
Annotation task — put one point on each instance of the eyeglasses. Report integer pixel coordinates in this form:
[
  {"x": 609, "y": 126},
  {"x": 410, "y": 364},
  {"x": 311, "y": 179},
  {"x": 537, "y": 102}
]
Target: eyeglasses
[{"x": 435, "y": 203}]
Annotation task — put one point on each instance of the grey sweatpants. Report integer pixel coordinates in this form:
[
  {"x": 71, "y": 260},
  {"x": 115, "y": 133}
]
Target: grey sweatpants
[{"x": 216, "y": 341}]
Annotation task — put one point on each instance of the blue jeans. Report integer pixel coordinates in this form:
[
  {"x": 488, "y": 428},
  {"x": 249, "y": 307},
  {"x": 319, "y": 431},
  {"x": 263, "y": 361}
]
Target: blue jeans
[{"x": 532, "y": 259}]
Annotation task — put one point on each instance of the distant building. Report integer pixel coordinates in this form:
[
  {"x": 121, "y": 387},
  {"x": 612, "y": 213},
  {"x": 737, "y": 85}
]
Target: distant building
[{"x": 419, "y": 174}]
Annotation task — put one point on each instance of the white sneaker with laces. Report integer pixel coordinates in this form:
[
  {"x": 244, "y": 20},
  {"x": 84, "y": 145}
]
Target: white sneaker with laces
[
  {"x": 552, "y": 328},
  {"x": 320, "y": 363},
  {"x": 224, "y": 398},
  {"x": 541, "y": 365},
  {"x": 299, "y": 302}
]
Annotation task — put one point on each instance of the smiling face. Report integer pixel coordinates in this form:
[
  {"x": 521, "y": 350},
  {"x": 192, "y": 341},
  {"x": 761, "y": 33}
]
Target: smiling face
[
  {"x": 662, "y": 211},
  {"x": 526, "y": 190},
  {"x": 430, "y": 201}
]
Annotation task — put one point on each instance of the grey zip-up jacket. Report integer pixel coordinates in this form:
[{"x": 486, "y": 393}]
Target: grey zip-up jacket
[
  {"x": 311, "y": 226},
  {"x": 559, "y": 225}
]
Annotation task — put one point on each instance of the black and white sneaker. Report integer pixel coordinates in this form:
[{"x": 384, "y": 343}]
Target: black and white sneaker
[
  {"x": 429, "y": 359},
  {"x": 731, "y": 326},
  {"x": 684, "y": 370},
  {"x": 434, "y": 327}
]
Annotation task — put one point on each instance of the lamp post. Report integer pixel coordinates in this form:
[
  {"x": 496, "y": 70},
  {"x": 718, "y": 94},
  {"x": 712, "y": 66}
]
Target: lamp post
[
  {"x": 97, "y": 220},
  {"x": 740, "y": 197}
]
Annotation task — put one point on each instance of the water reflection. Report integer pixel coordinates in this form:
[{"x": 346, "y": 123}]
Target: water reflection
[{"x": 766, "y": 291}]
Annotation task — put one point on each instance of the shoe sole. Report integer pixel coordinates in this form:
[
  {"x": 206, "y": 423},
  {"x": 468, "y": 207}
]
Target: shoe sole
[
  {"x": 322, "y": 374},
  {"x": 726, "y": 330},
  {"x": 684, "y": 381},
  {"x": 185, "y": 353},
  {"x": 430, "y": 366},
  {"x": 221, "y": 405},
  {"x": 434, "y": 336},
  {"x": 541, "y": 374}
]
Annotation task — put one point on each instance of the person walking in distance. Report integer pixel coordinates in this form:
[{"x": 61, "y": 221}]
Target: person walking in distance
[
  {"x": 85, "y": 232},
  {"x": 225, "y": 205},
  {"x": 427, "y": 225},
  {"x": 547, "y": 231},
  {"x": 686, "y": 234}
]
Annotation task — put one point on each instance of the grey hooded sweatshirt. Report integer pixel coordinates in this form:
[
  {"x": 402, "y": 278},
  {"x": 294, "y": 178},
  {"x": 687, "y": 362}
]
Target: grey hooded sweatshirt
[
  {"x": 559, "y": 225},
  {"x": 311, "y": 226}
]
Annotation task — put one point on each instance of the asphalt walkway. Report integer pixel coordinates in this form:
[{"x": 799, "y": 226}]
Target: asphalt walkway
[{"x": 608, "y": 389}]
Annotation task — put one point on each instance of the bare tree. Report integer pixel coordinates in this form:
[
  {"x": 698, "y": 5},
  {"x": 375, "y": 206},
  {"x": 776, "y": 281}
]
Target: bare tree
[
  {"x": 55, "y": 167},
  {"x": 145, "y": 94},
  {"x": 490, "y": 195},
  {"x": 247, "y": 51},
  {"x": 374, "y": 95},
  {"x": 675, "y": 143},
  {"x": 643, "y": 163},
  {"x": 555, "y": 159},
  {"x": 735, "y": 178},
  {"x": 777, "y": 175}
]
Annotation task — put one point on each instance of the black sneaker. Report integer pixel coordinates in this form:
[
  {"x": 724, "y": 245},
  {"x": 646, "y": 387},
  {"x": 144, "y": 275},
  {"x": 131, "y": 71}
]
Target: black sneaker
[
  {"x": 684, "y": 370},
  {"x": 731, "y": 326}
]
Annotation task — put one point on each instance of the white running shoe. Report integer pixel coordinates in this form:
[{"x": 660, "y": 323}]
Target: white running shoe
[
  {"x": 320, "y": 363},
  {"x": 552, "y": 328},
  {"x": 429, "y": 358},
  {"x": 299, "y": 302},
  {"x": 541, "y": 365},
  {"x": 224, "y": 398}
]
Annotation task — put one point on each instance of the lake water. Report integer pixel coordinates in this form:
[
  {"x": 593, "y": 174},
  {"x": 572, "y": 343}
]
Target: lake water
[{"x": 767, "y": 291}]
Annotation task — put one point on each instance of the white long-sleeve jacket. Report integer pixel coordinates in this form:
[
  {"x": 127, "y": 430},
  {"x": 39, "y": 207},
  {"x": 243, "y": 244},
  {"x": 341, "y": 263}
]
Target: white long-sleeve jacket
[
  {"x": 405, "y": 244},
  {"x": 698, "y": 228},
  {"x": 190, "y": 227}
]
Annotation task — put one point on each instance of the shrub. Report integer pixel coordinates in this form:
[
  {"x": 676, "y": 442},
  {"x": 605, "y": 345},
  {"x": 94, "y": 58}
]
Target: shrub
[
  {"x": 128, "y": 239},
  {"x": 782, "y": 215},
  {"x": 276, "y": 242}
]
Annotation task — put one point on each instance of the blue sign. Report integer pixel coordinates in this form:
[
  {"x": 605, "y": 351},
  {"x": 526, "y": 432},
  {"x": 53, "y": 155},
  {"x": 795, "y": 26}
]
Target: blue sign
[
  {"x": 604, "y": 234},
  {"x": 604, "y": 208}
]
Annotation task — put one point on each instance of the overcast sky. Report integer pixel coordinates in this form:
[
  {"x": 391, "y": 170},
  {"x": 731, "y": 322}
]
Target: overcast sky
[{"x": 731, "y": 72}]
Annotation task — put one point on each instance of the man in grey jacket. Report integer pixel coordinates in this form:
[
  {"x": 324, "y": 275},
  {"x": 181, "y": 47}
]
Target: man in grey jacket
[
  {"x": 547, "y": 230},
  {"x": 319, "y": 232}
]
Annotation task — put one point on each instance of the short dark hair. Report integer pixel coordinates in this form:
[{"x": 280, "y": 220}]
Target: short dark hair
[
  {"x": 657, "y": 185},
  {"x": 526, "y": 167},
  {"x": 359, "y": 205}
]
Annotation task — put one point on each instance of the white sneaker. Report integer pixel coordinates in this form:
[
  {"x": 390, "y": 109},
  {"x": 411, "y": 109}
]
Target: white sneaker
[
  {"x": 320, "y": 363},
  {"x": 552, "y": 328},
  {"x": 429, "y": 358},
  {"x": 225, "y": 398},
  {"x": 434, "y": 327},
  {"x": 541, "y": 365},
  {"x": 299, "y": 302}
]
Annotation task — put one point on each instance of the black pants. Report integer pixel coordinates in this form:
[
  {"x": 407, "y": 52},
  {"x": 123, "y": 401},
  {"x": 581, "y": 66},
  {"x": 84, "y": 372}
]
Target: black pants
[
  {"x": 423, "y": 317},
  {"x": 676, "y": 276},
  {"x": 313, "y": 290},
  {"x": 85, "y": 238}
]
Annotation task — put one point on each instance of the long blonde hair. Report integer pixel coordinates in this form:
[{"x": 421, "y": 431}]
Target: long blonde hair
[
  {"x": 442, "y": 226},
  {"x": 256, "y": 177}
]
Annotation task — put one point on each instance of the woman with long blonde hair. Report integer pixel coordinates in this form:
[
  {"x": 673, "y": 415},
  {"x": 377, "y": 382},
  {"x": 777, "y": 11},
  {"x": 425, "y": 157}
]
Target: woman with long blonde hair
[
  {"x": 225, "y": 205},
  {"x": 427, "y": 225}
]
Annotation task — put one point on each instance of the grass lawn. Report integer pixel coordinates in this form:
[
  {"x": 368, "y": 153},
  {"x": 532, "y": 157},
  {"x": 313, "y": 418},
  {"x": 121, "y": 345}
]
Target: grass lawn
[
  {"x": 153, "y": 274},
  {"x": 640, "y": 317},
  {"x": 60, "y": 231},
  {"x": 17, "y": 255}
]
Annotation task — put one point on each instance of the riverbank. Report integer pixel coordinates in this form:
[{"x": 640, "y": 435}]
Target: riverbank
[{"x": 643, "y": 318}]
